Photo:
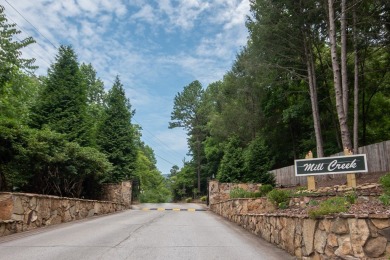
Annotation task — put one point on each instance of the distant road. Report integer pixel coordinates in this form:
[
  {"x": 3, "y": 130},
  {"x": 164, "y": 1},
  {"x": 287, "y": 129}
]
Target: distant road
[{"x": 149, "y": 231}]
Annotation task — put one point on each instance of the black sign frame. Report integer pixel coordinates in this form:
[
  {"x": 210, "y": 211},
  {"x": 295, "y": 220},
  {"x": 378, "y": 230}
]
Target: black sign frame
[{"x": 331, "y": 165}]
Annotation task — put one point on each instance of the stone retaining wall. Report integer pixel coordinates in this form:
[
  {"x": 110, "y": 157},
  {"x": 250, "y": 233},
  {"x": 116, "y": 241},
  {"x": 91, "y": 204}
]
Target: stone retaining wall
[
  {"x": 23, "y": 211},
  {"x": 220, "y": 191},
  {"x": 334, "y": 237}
]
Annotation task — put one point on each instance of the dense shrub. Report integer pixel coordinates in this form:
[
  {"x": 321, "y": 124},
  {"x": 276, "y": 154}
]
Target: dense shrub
[
  {"x": 385, "y": 182},
  {"x": 241, "y": 193},
  {"x": 278, "y": 197},
  {"x": 265, "y": 189}
]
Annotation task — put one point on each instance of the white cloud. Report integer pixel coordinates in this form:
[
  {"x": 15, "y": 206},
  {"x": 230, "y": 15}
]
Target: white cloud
[
  {"x": 70, "y": 8},
  {"x": 146, "y": 14},
  {"x": 88, "y": 6}
]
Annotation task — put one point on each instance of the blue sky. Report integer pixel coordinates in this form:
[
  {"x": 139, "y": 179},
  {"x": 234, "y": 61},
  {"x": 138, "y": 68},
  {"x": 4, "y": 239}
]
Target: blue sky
[{"x": 156, "y": 47}]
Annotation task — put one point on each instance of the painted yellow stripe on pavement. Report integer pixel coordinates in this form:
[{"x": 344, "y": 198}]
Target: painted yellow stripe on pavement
[{"x": 173, "y": 209}]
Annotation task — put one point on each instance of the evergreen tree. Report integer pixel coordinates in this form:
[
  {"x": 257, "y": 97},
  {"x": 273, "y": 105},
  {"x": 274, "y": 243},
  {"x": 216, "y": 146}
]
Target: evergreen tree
[
  {"x": 258, "y": 163},
  {"x": 95, "y": 99},
  {"x": 63, "y": 101},
  {"x": 187, "y": 114},
  {"x": 232, "y": 167},
  {"x": 116, "y": 136}
]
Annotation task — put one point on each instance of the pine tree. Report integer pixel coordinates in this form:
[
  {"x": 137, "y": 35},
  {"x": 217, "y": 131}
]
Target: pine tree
[
  {"x": 63, "y": 102},
  {"x": 116, "y": 134},
  {"x": 95, "y": 99}
]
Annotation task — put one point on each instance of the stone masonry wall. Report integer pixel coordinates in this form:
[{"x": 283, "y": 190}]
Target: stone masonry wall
[
  {"x": 220, "y": 191},
  {"x": 119, "y": 193},
  {"x": 338, "y": 237},
  {"x": 22, "y": 211}
]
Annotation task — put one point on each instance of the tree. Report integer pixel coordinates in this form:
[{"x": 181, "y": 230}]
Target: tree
[
  {"x": 182, "y": 181},
  {"x": 43, "y": 161},
  {"x": 186, "y": 114},
  {"x": 232, "y": 168},
  {"x": 284, "y": 35},
  {"x": 153, "y": 187},
  {"x": 11, "y": 60},
  {"x": 339, "y": 81},
  {"x": 63, "y": 102},
  {"x": 95, "y": 99},
  {"x": 116, "y": 134},
  {"x": 258, "y": 163}
]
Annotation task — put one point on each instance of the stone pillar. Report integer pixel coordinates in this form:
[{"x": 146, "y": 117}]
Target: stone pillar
[{"x": 119, "y": 193}]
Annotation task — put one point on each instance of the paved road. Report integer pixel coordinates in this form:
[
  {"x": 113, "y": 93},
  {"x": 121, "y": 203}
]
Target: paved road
[{"x": 146, "y": 232}]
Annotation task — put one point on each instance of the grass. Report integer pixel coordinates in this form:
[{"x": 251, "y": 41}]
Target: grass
[{"x": 330, "y": 206}]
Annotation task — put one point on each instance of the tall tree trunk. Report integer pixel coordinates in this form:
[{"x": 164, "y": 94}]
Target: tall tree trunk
[
  {"x": 198, "y": 162},
  {"x": 355, "y": 86},
  {"x": 344, "y": 74},
  {"x": 345, "y": 136},
  {"x": 313, "y": 95}
]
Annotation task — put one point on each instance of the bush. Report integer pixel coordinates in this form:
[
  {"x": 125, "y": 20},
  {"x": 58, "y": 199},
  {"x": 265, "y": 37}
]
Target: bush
[
  {"x": 330, "y": 206},
  {"x": 265, "y": 189},
  {"x": 385, "y": 199},
  {"x": 279, "y": 198},
  {"x": 153, "y": 196},
  {"x": 257, "y": 194},
  {"x": 385, "y": 182},
  {"x": 241, "y": 193},
  {"x": 351, "y": 197},
  {"x": 188, "y": 200},
  {"x": 204, "y": 198}
]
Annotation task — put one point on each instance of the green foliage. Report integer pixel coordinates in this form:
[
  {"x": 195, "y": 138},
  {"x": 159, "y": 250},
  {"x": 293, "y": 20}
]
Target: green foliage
[
  {"x": 385, "y": 182},
  {"x": 232, "y": 164},
  {"x": 351, "y": 197},
  {"x": 153, "y": 186},
  {"x": 203, "y": 198},
  {"x": 188, "y": 200},
  {"x": 11, "y": 60},
  {"x": 116, "y": 136},
  {"x": 278, "y": 197},
  {"x": 265, "y": 189},
  {"x": 43, "y": 161},
  {"x": 181, "y": 181},
  {"x": 241, "y": 193},
  {"x": 95, "y": 100},
  {"x": 187, "y": 113},
  {"x": 258, "y": 163},
  {"x": 313, "y": 203},
  {"x": 62, "y": 103},
  {"x": 154, "y": 196},
  {"x": 330, "y": 206},
  {"x": 385, "y": 199}
]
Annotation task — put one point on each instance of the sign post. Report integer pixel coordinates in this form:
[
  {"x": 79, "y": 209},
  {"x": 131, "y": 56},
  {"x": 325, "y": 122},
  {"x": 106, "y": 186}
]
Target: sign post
[
  {"x": 311, "y": 182},
  {"x": 351, "y": 177}
]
